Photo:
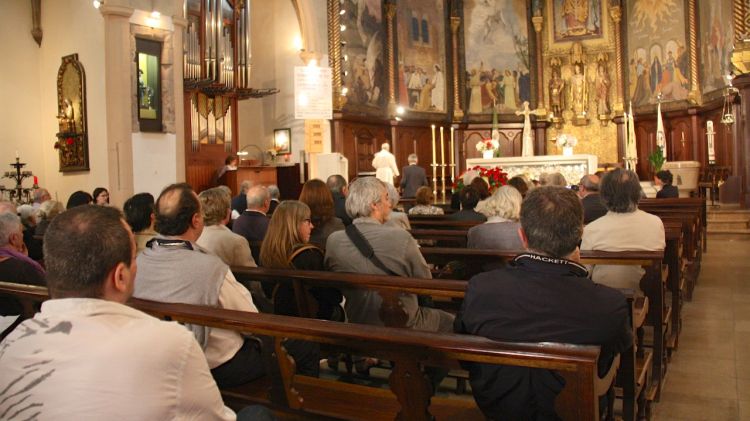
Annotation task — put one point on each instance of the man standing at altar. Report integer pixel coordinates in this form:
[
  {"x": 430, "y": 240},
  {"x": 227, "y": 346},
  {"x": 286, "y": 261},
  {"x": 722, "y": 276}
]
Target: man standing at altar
[
  {"x": 385, "y": 164},
  {"x": 414, "y": 177}
]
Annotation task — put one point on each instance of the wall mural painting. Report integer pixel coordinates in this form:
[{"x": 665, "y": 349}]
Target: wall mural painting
[
  {"x": 717, "y": 35},
  {"x": 497, "y": 55},
  {"x": 364, "y": 66},
  {"x": 577, "y": 19},
  {"x": 658, "y": 61},
  {"x": 421, "y": 55}
]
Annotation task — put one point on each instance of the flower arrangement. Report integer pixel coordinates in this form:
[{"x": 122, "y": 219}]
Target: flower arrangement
[
  {"x": 495, "y": 177},
  {"x": 566, "y": 141},
  {"x": 488, "y": 145}
]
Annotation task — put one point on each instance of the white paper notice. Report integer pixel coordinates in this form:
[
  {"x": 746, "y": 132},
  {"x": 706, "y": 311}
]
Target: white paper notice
[{"x": 313, "y": 93}]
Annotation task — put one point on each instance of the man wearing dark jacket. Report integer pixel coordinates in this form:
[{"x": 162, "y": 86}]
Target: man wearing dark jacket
[
  {"x": 545, "y": 295},
  {"x": 588, "y": 191},
  {"x": 412, "y": 177},
  {"x": 338, "y": 187}
]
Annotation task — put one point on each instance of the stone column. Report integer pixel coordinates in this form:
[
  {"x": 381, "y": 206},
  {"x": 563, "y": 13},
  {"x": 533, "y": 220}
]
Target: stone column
[
  {"x": 118, "y": 100},
  {"x": 615, "y": 12},
  {"x": 538, "y": 21},
  {"x": 334, "y": 52},
  {"x": 180, "y": 25},
  {"x": 390, "y": 13},
  {"x": 458, "y": 113},
  {"x": 695, "y": 92}
]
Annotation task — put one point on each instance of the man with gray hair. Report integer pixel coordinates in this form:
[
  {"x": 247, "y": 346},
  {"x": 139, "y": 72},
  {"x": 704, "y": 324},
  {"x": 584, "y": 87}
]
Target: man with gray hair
[
  {"x": 41, "y": 195},
  {"x": 395, "y": 248},
  {"x": 623, "y": 228},
  {"x": 253, "y": 223},
  {"x": 239, "y": 202},
  {"x": 413, "y": 177},
  {"x": 275, "y": 194},
  {"x": 15, "y": 264},
  {"x": 588, "y": 191},
  {"x": 544, "y": 295},
  {"x": 339, "y": 190},
  {"x": 385, "y": 164}
]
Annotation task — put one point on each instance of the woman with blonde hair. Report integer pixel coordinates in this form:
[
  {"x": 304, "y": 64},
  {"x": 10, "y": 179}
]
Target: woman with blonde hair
[
  {"x": 287, "y": 246},
  {"x": 502, "y": 210}
]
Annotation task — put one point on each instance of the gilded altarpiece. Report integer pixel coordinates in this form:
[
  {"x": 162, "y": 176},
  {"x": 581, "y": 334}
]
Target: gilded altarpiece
[{"x": 580, "y": 76}]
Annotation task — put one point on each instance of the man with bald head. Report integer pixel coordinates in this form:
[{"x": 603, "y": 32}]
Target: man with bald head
[
  {"x": 174, "y": 269},
  {"x": 588, "y": 191},
  {"x": 253, "y": 223}
]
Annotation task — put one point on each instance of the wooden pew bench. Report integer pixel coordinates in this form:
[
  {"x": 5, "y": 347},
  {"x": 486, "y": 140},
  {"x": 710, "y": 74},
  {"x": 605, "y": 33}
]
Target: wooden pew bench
[
  {"x": 653, "y": 284},
  {"x": 408, "y": 396}
]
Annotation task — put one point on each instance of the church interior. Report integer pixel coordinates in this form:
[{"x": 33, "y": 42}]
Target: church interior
[{"x": 137, "y": 94}]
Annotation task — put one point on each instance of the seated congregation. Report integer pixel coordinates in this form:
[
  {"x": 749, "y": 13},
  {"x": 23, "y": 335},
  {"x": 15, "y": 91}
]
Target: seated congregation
[{"x": 545, "y": 317}]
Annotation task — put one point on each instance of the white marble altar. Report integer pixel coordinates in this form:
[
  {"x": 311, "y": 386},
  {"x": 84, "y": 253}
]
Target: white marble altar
[{"x": 572, "y": 167}]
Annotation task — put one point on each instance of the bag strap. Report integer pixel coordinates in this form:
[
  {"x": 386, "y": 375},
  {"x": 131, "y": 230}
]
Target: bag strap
[
  {"x": 365, "y": 248},
  {"x": 299, "y": 249}
]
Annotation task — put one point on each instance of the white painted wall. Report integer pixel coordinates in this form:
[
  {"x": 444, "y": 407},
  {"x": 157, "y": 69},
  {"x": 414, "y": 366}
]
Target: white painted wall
[
  {"x": 151, "y": 170},
  {"x": 28, "y": 86}
]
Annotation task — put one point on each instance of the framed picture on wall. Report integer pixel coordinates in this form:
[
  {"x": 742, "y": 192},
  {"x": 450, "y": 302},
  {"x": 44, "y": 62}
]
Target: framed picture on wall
[{"x": 282, "y": 141}]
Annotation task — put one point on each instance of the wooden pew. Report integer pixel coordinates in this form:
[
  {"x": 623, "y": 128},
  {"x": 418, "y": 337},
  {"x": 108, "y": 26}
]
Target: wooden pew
[
  {"x": 408, "y": 397},
  {"x": 440, "y": 237},
  {"x": 440, "y": 223},
  {"x": 652, "y": 284},
  {"x": 635, "y": 377},
  {"x": 682, "y": 203}
]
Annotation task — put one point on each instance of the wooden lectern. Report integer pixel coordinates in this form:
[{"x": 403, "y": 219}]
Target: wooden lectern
[{"x": 287, "y": 177}]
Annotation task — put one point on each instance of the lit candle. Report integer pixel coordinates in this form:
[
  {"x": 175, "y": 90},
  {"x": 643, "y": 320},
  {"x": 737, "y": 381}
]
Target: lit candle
[
  {"x": 434, "y": 149},
  {"x": 453, "y": 157},
  {"x": 442, "y": 147},
  {"x": 17, "y": 154}
]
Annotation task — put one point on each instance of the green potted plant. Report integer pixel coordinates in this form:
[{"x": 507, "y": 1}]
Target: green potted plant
[{"x": 656, "y": 159}]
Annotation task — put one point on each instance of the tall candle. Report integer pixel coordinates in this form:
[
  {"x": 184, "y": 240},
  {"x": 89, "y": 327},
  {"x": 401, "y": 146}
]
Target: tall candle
[
  {"x": 36, "y": 181},
  {"x": 17, "y": 154},
  {"x": 434, "y": 151},
  {"x": 442, "y": 147},
  {"x": 453, "y": 157}
]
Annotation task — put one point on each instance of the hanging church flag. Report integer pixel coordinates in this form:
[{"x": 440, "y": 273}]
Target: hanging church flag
[
  {"x": 313, "y": 89},
  {"x": 661, "y": 139}
]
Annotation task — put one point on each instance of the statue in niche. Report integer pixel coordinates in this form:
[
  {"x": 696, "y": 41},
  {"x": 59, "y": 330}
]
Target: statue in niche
[
  {"x": 578, "y": 91},
  {"x": 601, "y": 87},
  {"x": 556, "y": 88}
]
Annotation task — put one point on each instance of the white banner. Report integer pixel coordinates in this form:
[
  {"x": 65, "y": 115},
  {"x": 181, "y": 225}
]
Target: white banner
[{"x": 313, "y": 89}]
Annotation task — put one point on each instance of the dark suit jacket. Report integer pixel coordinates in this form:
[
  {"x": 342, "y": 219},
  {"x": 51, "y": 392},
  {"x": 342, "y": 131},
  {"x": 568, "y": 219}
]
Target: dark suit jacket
[
  {"x": 253, "y": 226},
  {"x": 668, "y": 191},
  {"x": 412, "y": 178},
  {"x": 467, "y": 215},
  {"x": 339, "y": 208},
  {"x": 274, "y": 204},
  {"x": 239, "y": 203},
  {"x": 593, "y": 207}
]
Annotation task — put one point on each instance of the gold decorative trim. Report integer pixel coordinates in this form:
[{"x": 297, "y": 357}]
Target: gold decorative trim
[
  {"x": 739, "y": 13},
  {"x": 615, "y": 12},
  {"x": 458, "y": 113},
  {"x": 334, "y": 52},
  {"x": 390, "y": 13},
  {"x": 694, "y": 95}
]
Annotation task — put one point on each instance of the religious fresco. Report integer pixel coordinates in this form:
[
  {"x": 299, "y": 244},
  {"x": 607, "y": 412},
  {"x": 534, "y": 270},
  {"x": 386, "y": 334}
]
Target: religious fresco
[
  {"x": 421, "y": 55},
  {"x": 362, "y": 48},
  {"x": 716, "y": 35},
  {"x": 497, "y": 55},
  {"x": 658, "y": 60},
  {"x": 577, "y": 19}
]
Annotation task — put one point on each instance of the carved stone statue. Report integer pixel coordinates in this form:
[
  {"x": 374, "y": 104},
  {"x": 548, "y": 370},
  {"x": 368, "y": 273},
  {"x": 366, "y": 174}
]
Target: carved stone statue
[
  {"x": 602, "y": 84},
  {"x": 578, "y": 91},
  {"x": 528, "y": 135},
  {"x": 556, "y": 86}
]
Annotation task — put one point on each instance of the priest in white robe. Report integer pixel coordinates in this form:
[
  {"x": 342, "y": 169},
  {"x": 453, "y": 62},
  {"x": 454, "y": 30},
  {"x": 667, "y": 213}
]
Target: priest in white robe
[{"x": 385, "y": 164}]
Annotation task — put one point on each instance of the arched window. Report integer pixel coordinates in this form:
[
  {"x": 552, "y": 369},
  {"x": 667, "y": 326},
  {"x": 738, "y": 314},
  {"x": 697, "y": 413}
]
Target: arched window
[
  {"x": 425, "y": 31},
  {"x": 415, "y": 29}
]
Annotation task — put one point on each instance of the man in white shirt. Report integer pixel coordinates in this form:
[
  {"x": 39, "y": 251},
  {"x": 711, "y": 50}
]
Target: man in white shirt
[
  {"x": 87, "y": 356},
  {"x": 385, "y": 164},
  {"x": 173, "y": 268}
]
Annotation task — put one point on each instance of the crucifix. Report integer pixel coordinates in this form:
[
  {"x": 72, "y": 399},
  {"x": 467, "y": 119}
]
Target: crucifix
[{"x": 528, "y": 134}]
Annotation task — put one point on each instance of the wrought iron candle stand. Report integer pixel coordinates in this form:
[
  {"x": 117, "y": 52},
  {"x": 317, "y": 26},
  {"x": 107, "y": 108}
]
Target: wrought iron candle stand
[{"x": 19, "y": 195}]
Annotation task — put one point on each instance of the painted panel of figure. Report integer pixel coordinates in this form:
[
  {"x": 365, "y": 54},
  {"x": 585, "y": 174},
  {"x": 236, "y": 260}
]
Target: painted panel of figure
[
  {"x": 364, "y": 65},
  {"x": 658, "y": 61},
  {"x": 577, "y": 19},
  {"x": 497, "y": 55},
  {"x": 717, "y": 35},
  {"x": 421, "y": 55}
]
